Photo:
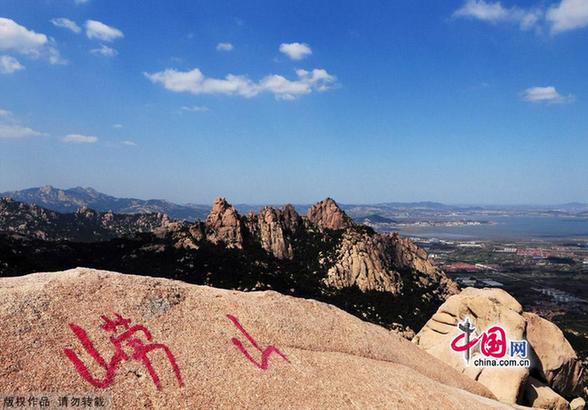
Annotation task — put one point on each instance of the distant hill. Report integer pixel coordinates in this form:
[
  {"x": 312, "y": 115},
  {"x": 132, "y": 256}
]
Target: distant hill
[
  {"x": 84, "y": 225},
  {"x": 70, "y": 200}
]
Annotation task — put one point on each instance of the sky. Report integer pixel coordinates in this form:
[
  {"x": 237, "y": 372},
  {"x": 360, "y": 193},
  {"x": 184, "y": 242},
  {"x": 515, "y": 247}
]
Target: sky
[{"x": 457, "y": 101}]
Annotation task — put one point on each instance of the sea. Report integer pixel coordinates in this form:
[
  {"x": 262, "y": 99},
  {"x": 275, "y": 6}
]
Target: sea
[{"x": 506, "y": 228}]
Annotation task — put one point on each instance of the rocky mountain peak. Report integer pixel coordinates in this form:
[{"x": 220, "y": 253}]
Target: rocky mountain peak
[
  {"x": 327, "y": 214},
  {"x": 275, "y": 227},
  {"x": 223, "y": 224},
  {"x": 292, "y": 219},
  {"x": 219, "y": 204},
  {"x": 46, "y": 189}
]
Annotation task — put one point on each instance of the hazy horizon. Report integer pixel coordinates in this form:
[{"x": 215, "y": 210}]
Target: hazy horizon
[
  {"x": 344, "y": 203},
  {"x": 458, "y": 102}
]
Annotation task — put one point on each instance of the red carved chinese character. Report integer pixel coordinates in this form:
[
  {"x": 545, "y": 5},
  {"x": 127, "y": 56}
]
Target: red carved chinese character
[
  {"x": 493, "y": 342},
  {"x": 265, "y": 353},
  {"x": 139, "y": 353}
]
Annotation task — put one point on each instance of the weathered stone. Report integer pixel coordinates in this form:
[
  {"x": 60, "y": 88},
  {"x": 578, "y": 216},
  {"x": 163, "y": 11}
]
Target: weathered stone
[
  {"x": 292, "y": 220},
  {"x": 407, "y": 256},
  {"x": 362, "y": 261},
  {"x": 577, "y": 404},
  {"x": 224, "y": 225},
  {"x": 329, "y": 359},
  {"x": 484, "y": 308},
  {"x": 182, "y": 234},
  {"x": 538, "y": 395},
  {"x": 327, "y": 214},
  {"x": 557, "y": 362},
  {"x": 274, "y": 233},
  {"x": 507, "y": 384}
]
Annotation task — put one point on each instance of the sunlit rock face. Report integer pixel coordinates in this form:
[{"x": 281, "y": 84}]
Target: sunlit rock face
[
  {"x": 189, "y": 346},
  {"x": 223, "y": 225},
  {"x": 327, "y": 214}
]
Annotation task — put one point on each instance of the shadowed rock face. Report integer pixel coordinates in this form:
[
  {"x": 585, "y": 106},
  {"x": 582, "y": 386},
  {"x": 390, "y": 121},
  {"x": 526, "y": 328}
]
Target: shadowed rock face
[
  {"x": 557, "y": 363},
  {"x": 316, "y": 356},
  {"x": 327, "y": 214},
  {"x": 275, "y": 232},
  {"x": 224, "y": 225},
  {"x": 292, "y": 221}
]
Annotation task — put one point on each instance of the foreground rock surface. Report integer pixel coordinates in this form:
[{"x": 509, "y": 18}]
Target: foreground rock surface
[
  {"x": 325, "y": 358},
  {"x": 557, "y": 362},
  {"x": 553, "y": 360},
  {"x": 541, "y": 396}
]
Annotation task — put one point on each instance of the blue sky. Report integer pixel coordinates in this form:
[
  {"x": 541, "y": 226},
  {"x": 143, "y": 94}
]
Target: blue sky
[{"x": 265, "y": 101}]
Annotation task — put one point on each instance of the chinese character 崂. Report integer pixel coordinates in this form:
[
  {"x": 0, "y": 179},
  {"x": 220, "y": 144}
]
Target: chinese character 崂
[{"x": 129, "y": 338}]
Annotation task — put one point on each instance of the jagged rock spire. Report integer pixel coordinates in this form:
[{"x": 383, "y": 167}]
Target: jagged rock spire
[
  {"x": 223, "y": 224},
  {"x": 276, "y": 227},
  {"x": 327, "y": 214}
]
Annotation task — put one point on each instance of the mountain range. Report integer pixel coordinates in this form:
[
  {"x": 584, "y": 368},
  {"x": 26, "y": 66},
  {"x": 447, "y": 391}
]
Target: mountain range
[
  {"x": 323, "y": 255},
  {"x": 72, "y": 199}
]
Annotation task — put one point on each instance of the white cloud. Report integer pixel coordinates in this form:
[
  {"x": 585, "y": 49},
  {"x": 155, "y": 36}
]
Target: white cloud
[
  {"x": 100, "y": 31},
  {"x": 195, "y": 82},
  {"x": 284, "y": 89},
  {"x": 530, "y": 18},
  {"x": 129, "y": 143},
  {"x": 296, "y": 51},
  {"x": 104, "y": 51},
  {"x": 13, "y": 131},
  {"x": 568, "y": 15},
  {"x": 481, "y": 10},
  {"x": 194, "y": 108},
  {"x": 81, "y": 1},
  {"x": 18, "y": 38},
  {"x": 224, "y": 47},
  {"x": 68, "y": 24},
  {"x": 495, "y": 12},
  {"x": 548, "y": 95},
  {"x": 15, "y": 37},
  {"x": 79, "y": 139},
  {"x": 9, "y": 65},
  {"x": 54, "y": 57},
  {"x": 117, "y": 125}
]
